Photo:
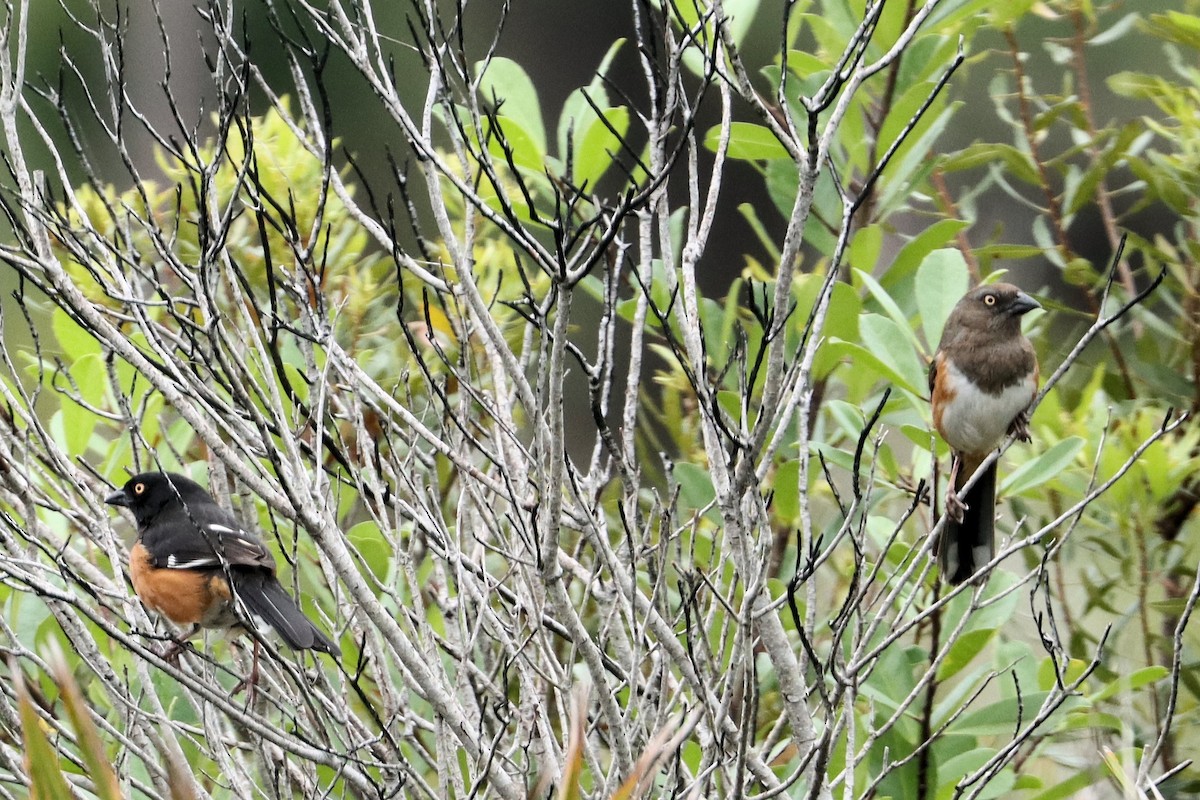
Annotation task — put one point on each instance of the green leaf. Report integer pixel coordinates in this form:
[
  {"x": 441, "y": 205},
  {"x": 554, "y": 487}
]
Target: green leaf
[
  {"x": 581, "y": 130},
  {"x": 889, "y": 305},
  {"x": 72, "y": 427},
  {"x": 1045, "y": 240},
  {"x": 1137, "y": 84},
  {"x": 841, "y": 320},
  {"x": 802, "y": 64},
  {"x": 1001, "y": 602},
  {"x": 748, "y": 142},
  {"x": 981, "y": 154},
  {"x": 912, "y": 254},
  {"x": 905, "y": 107},
  {"x": 99, "y": 767},
  {"x": 963, "y": 652},
  {"x": 785, "y": 486},
  {"x": 46, "y": 779},
  {"x": 76, "y": 342},
  {"x": 1114, "y": 31},
  {"x": 997, "y": 719},
  {"x": 1043, "y": 467},
  {"x": 1048, "y": 672},
  {"x": 834, "y": 455},
  {"x": 952, "y": 771},
  {"x": 596, "y": 149},
  {"x": 695, "y": 486},
  {"x": 956, "y": 11},
  {"x": 370, "y": 545},
  {"x": 848, "y": 416},
  {"x": 925, "y": 61},
  {"x": 1071, "y": 787},
  {"x": 862, "y": 360},
  {"x": 297, "y": 381},
  {"x": 1009, "y": 252},
  {"x": 765, "y": 238},
  {"x": 576, "y": 107},
  {"x": 1130, "y": 683},
  {"x": 891, "y": 350},
  {"x": 527, "y": 154},
  {"x": 914, "y": 161},
  {"x": 865, "y": 248},
  {"x": 738, "y": 16},
  {"x": 1177, "y": 27},
  {"x": 505, "y": 83},
  {"x": 942, "y": 280},
  {"x": 1091, "y": 721}
]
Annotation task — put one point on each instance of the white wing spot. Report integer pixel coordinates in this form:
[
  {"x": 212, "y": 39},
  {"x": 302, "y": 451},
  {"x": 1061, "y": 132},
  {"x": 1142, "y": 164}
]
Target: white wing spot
[{"x": 174, "y": 562}]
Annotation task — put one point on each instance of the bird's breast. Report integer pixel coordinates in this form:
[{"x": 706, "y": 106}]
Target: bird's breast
[
  {"x": 976, "y": 421},
  {"x": 184, "y": 596}
]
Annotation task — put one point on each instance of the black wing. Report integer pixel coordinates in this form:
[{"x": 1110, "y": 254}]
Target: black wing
[{"x": 202, "y": 535}]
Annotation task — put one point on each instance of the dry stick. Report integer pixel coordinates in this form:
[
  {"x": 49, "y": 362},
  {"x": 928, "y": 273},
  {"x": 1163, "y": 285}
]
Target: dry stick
[
  {"x": 1150, "y": 755},
  {"x": 1052, "y": 703},
  {"x": 800, "y": 395}
]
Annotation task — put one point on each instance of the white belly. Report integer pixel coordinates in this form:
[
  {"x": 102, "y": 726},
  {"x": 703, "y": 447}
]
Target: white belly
[{"x": 985, "y": 426}]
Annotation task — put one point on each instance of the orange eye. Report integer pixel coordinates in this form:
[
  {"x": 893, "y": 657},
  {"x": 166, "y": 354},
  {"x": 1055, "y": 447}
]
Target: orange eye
[
  {"x": 989, "y": 299},
  {"x": 139, "y": 488}
]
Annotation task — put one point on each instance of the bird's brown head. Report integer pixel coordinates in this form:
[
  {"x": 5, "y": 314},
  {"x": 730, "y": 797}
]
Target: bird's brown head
[
  {"x": 997, "y": 307},
  {"x": 999, "y": 301}
]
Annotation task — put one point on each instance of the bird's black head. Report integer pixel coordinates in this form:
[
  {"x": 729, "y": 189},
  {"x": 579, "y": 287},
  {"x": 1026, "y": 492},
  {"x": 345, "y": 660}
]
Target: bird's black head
[{"x": 146, "y": 495}]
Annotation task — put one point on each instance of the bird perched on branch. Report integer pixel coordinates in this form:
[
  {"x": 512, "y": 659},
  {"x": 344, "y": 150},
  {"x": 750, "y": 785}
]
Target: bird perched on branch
[
  {"x": 982, "y": 380},
  {"x": 194, "y": 564}
]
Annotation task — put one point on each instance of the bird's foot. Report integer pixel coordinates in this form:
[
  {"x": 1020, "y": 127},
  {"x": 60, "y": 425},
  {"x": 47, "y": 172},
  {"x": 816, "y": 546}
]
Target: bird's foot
[
  {"x": 250, "y": 682},
  {"x": 1019, "y": 427},
  {"x": 955, "y": 508},
  {"x": 173, "y": 651}
]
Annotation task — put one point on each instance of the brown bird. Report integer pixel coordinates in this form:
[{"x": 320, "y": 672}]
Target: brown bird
[{"x": 982, "y": 380}]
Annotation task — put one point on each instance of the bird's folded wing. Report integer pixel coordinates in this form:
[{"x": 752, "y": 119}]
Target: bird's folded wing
[{"x": 212, "y": 545}]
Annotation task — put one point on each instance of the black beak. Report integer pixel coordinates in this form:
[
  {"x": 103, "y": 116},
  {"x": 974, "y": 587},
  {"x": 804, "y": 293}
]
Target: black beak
[
  {"x": 117, "y": 498},
  {"x": 1022, "y": 304}
]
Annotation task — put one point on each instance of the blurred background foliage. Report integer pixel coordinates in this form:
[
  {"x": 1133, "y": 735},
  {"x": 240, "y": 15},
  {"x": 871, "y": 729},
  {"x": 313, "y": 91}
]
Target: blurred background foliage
[{"x": 1040, "y": 153}]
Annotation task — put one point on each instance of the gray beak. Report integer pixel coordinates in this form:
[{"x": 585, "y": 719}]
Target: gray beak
[
  {"x": 1022, "y": 304},
  {"x": 117, "y": 498}
]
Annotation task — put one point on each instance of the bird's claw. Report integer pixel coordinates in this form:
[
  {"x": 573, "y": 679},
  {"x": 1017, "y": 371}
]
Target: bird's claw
[
  {"x": 955, "y": 508},
  {"x": 1019, "y": 427},
  {"x": 173, "y": 651}
]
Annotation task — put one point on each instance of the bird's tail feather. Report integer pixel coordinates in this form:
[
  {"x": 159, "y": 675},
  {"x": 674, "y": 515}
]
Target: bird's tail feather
[
  {"x": 967, "y": 545},
  {"x": 266, "y": 598}
]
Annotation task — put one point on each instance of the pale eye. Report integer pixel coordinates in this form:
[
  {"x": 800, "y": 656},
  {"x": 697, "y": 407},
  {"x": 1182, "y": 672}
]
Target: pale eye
[
  {"x": 989, "y": 299},
  {"x": 139, "y": 488}
]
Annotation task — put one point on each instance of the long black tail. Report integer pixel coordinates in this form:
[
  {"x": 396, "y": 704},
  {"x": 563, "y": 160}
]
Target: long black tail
[
  {"x": 967, "y": 545},
  {"x": 266, "y": 598}
]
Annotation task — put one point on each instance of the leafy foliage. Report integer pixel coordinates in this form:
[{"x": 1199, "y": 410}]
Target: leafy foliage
[{"x": 508, "y": 450}]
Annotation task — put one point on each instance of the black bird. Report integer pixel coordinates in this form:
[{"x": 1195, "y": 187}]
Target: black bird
[{"x": 192, "y": 562}]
